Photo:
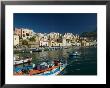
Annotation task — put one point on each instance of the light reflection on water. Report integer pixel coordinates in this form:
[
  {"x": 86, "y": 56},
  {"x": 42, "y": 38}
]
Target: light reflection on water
[{"x": 46, "y": 55}]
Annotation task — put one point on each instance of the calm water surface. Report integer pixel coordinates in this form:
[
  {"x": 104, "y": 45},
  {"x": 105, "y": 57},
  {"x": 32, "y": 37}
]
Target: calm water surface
[{"x": 85, "y": 64}]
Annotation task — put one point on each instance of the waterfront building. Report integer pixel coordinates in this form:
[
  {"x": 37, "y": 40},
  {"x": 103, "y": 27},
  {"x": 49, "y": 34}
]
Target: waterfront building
[
  {"x": 83, "y": 42},
  {"x": 64, "y": 42},
  {"x": 27, "y": 33},
  {"x": 78, "y": 44},
  {"x": 52, "y": 43},
  {"x": 55, "y": 43},
  {"x": 16, "y": 40},
  {"x": 52, "y": 39},
  {"x": 24, "y": 33},
  {"x": 40, "y": 35},
  {"x": 18, "y": 31},
  {"x": 87, "y": 44},
  {"x": 68, "y": 42},
  {"x": 54, "y": 35},
  {"x": 70, "y": 39},
  {"x": 59, "y": 42},
  {"x": 44, "y": 41}
]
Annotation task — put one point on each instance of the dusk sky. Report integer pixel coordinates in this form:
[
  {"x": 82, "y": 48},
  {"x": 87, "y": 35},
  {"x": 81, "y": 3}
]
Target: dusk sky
[{"x": 57, "y": 22}]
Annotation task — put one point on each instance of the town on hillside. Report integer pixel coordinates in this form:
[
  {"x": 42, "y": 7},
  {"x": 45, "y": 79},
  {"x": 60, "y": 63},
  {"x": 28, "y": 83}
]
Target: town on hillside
[{"x": 28, "y": 38}]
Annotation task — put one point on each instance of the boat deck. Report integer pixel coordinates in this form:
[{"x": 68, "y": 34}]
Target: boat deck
[{"x": 34, "y": 72}]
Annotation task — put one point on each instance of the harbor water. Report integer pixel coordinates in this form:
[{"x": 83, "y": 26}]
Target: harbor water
[{"x": 84, "y": 64}]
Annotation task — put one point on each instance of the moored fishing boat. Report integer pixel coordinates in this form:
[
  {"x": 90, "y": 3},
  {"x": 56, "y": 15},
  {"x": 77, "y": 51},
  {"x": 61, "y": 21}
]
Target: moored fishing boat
[
  {"x": 22, "y": 60},
  {"x": 51, "y": 69},
  {"x": 75, "y": 54},
  {"x": 54, "y": 71},
  {"x": 36, "y": 50},
  {"x": 43, "y": 69}
]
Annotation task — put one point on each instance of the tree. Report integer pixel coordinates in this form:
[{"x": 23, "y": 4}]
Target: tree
[
  {"x": 24, "y": 42},
  {"x": 32, "y": 39}
]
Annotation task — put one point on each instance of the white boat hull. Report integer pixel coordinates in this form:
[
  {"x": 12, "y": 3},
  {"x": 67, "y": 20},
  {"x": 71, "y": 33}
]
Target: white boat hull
[{"x": 22, "y": 61}]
